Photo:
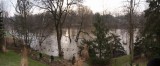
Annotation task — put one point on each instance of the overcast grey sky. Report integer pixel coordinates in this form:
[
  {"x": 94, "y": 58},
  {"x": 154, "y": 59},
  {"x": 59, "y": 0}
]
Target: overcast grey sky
[{"x": 112, "y": 6}]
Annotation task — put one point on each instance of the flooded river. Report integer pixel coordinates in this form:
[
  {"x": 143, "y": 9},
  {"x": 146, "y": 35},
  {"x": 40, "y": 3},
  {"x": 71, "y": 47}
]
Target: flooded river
[{"x": 50, "y": 46}]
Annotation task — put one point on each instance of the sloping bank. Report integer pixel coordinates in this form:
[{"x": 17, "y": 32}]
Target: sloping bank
[
  {"x": 13, "y": 59},
  {"x": 121, "y": 61}
]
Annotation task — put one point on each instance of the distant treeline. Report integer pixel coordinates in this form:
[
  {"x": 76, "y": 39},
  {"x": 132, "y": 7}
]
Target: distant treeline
[{"x": 74, "y": 20}]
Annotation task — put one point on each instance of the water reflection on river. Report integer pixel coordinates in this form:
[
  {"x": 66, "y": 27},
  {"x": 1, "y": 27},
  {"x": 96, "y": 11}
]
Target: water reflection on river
[{"x": 50, "y": 44}]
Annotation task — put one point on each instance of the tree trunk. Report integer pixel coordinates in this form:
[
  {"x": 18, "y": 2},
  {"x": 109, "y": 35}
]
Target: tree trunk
[
  {"x": 131, "y": 32},
  {"x": 40, "y": 49},
  {"x": 131, "y": 45},
  {"x": 80, "y": 29},
  {"x": 24, "y": 59},
  {"x": 69, "y": 32},
  {"x": 100, "y": 51},
  {"x": 14, "y": 41},
  {"x": 59, "y": 49},
  {"x": 3, "y": 45},
  {"x": 59, "y": 35}
]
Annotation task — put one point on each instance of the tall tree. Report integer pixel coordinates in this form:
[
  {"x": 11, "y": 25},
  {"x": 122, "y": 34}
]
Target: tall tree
[
  {"x": 2, "y": 32},
  {"x": 151, "y": 32},
  {"x": 59, "y": 10},
  {"x": 100, "y": 44},
  {"x": 104, "y": 45},
  {"x": 131, "y": 10},
  {"x": 43, "y": 28},
  {"x": 84, "y": 20},
  {"x": 23, "y": 9},
  {"x": 131, "y": 30}
]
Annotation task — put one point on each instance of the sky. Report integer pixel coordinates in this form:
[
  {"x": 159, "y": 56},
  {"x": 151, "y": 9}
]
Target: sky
[{"x": 112, "y": 6}]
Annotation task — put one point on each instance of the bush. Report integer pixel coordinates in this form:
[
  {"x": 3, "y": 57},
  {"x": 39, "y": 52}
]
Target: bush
[{"x": 98, "y": 62}]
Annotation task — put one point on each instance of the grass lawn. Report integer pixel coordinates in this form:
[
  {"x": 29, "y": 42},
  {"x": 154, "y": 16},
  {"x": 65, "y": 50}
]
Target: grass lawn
[
  {"x": 13, "y": 59},
  {"x": 120, "y": 61},
  {"x": 124, "y": 61}
]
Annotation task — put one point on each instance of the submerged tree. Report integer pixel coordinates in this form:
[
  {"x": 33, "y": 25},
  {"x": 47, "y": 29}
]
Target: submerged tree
[
  {"x": 43, "y": 28},
  {"x": 59, "y": 10},
  {"x": 84, "y": 19}
]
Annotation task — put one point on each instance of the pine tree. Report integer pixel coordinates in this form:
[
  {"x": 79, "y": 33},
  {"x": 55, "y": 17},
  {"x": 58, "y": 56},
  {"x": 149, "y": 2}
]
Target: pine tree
[
  {"x": 1, "y": 32},
  {"x": 105, "y": 44},
  {"x": 150, "y": 40}
]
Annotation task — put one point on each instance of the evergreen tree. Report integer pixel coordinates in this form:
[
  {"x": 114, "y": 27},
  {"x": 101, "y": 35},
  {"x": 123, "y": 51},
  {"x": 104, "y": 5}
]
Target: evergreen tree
[
  {"x": 117, "y": 48},
  {"x": 1, "y": 32},
  {"x": 105, "y": 44},
  {"x": 150, "y": 37}
]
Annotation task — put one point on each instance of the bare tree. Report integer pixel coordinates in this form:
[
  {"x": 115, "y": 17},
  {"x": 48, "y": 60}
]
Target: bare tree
[
  {"x": 131, "y": 22},
  {"x": 131, "y": 30},
  {"x": 23, "y": 9},
  {"x": 59, "y": 10},
  {"x": 84, "y": 20},
  {"x": 43, "y": 27},
  {"x": 69, "y": 24}
]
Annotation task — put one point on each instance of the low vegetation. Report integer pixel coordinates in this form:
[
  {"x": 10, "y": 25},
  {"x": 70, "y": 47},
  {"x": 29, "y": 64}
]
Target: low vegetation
[
  {"x": 12, "y": 59},
  {"x": 120, "y": 61},
  {"x": 124, "y": 61}
]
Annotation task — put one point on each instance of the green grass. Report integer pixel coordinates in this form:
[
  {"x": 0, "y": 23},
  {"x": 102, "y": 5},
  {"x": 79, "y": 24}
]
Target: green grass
[
  {"x": 120, "y": 61},
  {"x": 13, "y": 59},
  {"x": 125, "y": 60}
]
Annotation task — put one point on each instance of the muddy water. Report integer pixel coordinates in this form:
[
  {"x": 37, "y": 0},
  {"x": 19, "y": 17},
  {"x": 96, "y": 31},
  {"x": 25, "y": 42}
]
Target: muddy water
[{"x": 70, "y": 48}]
